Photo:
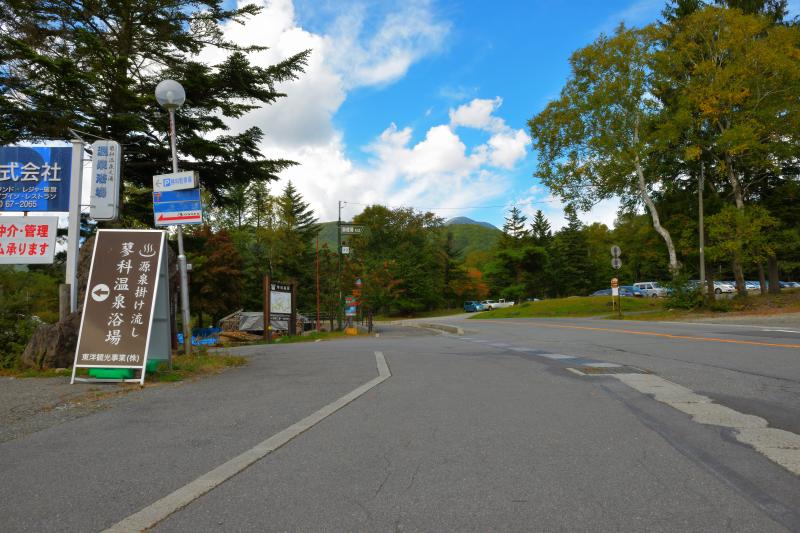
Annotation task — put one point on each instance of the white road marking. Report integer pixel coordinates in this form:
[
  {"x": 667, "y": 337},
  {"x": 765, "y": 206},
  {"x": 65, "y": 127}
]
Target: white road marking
[
  {"x": 557, "y": 356},
  {"x": 602, "y": 365},
  {"x": 161, "y": 509},
  {"x": 746, "y": 326},
  {"x": 782, "y": 447}
]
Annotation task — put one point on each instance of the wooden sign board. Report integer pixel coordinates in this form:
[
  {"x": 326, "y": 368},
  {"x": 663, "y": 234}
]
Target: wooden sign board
[{"x": 125, "y": 317}]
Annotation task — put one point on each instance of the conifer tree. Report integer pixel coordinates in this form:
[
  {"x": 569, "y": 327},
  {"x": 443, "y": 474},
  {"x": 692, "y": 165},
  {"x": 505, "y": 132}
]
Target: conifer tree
[
  {"x": 515, "y": 224},
  {"x": 540, "y": 229},
  {"x": 92, "y": 66}
]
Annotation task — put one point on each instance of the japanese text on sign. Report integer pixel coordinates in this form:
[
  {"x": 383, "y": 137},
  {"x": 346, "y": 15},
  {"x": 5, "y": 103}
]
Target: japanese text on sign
[
  {"x": 120, "y": 293},
  {"x": 34, "y": 178},
  {"x": 27, "y": 240}
]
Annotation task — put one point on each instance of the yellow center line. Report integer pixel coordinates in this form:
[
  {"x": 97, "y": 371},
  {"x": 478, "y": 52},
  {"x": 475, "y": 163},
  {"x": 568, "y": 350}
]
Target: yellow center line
[{"x": 656, "y": 334}]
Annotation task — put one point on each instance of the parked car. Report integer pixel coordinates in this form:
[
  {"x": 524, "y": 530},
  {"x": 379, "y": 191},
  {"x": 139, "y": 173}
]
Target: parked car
[
  {"x": 795, "y": 284},
  {"x": 473, "y": 306},
  {"x": 723, "y": 287},
  {"x": 630, "y": 290},
  {"x": 496, "y": 304},
  {"x": 602, "y": 292},
  {"x": 652, "y": 289}
]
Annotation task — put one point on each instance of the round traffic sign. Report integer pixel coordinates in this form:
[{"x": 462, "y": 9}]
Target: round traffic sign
[
  {"x": 616, "y": 262},
  {"x": 100, "y": 292},
  {"x": 614, "y": 283},
  {"x": 615, "y": 251}
]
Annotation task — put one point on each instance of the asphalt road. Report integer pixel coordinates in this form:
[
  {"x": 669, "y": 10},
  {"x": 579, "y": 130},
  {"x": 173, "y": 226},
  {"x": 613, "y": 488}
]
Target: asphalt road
[{"x": 487, "y": 431}]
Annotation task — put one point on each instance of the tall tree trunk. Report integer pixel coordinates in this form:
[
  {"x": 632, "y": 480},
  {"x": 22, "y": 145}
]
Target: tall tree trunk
[
  {"x": 774, "y": 275},
  {"x": 762, "y": 279},
  {"x": 739, "y": 276},
  {"x": 674, "y": 266},
  {"x": 738, "y": 196}
]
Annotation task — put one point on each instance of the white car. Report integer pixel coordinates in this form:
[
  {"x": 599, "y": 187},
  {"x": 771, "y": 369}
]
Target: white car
[
  {"x": 722, "y": 287},
  {"x": 653, "y": 289},
  {"x": 496, "y": 304}
]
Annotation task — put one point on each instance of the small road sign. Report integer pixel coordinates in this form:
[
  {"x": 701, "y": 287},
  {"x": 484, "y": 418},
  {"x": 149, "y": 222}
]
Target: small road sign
[
  {"x": 176, "y": 181},
  {"x": 615, "y": 251},
  {"x": 171, "y": 208},
  {"x": 351, "y": 229},
  {"x": 616, "y": 262}
]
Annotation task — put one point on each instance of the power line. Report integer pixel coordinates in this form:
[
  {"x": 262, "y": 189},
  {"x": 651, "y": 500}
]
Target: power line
[{"x": 463, "y": 207}]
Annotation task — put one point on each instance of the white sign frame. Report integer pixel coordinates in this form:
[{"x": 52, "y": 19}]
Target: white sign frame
[
  {"x": 176, "y": 181},
  {"x": 19, "y": 223},
  {"x": 105, "y": 178}
]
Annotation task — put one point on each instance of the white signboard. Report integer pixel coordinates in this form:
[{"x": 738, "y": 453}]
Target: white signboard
[
  {"x": 106, "y": 166},
  {"x": 280, "y": 302},
  {"x": 27, "y": 240},
  {"x": 176, "y": 181},
  {"x": 614, "y": 291},
  {"x": 172, "y": 218}
]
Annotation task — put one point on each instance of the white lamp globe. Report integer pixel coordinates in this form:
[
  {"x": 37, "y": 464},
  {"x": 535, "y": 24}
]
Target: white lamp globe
[{"x": 170, "y": 94}]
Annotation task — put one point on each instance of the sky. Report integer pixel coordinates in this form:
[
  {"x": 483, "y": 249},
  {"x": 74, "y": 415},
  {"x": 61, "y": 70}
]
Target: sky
[{"x": 422, "y": 103}]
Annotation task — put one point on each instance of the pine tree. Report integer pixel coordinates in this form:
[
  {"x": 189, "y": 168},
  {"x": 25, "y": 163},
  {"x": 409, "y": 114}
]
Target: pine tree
[
  {"x": 572, "y": 270},
  {"x": 540, "y": 229},
  {"x": 515, "y": 224},
  {"x": 93, "y": 66}
]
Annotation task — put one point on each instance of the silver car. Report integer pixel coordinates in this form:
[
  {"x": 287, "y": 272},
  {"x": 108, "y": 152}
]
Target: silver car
[{"x": 653, "y": 289}]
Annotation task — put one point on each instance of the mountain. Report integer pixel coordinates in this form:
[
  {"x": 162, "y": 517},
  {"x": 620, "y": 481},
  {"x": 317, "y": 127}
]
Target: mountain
[{"x": 466, "y": 220}]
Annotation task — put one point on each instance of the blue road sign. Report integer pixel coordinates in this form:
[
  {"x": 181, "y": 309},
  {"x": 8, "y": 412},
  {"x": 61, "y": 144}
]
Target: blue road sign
[
  {"x": 177, "y": 207},
  {"x": 35, "y": 178}
]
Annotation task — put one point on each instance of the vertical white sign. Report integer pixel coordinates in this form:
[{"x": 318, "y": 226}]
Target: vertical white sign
[{"x": 105, "y": 180}]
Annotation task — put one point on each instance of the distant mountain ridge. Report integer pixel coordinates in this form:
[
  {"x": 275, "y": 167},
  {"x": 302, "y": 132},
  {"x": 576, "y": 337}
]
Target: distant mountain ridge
[{"x": 467, "y": 220}]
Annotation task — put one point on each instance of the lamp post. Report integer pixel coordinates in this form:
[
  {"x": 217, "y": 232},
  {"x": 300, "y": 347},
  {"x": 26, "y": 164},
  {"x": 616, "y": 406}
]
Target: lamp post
[{"x": 170, "y": 95}]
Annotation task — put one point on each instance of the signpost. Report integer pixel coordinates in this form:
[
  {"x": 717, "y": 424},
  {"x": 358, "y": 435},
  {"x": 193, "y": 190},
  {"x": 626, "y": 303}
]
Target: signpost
[
  {"x": 125, "y": 319},
  {"x": 351, "y": 229},
  {"x": 106, "y": 166},
  {"x": 176, "y": 181},
  {"x": 35, "y": 178},
  {"x": 27, "y": 240},
  {"x": 616, "y": 264},
  {"x": 280, "y": 304},
  {"x": 177, "y": 207}
]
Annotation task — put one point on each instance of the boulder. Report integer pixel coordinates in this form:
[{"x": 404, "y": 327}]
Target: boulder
[{"x": 53, "y": 345}]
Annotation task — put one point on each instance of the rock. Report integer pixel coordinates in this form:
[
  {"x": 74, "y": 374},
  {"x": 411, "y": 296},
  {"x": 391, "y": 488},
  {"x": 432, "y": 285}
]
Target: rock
[{"x": 53, "y": 345}]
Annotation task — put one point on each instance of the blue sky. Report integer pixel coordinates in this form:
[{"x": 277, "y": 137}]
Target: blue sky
[{"x": 424, "y": 103}]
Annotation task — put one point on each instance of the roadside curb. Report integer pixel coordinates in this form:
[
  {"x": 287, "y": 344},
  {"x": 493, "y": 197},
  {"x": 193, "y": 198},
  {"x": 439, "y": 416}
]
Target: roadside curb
[{"x": 442, "y": 327}]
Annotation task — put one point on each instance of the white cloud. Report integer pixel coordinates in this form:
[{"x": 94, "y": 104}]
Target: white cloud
[
  {"x": 438, "y": 170},
  {"x": 478, "y": 114}
]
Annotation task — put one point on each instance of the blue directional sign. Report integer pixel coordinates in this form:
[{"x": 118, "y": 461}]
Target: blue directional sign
[
  {"x": 177, "y": 207},
  {"x": 35, "y": 178}
]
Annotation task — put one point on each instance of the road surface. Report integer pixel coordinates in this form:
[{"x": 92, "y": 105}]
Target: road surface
[{"x": 515, "y": 425}]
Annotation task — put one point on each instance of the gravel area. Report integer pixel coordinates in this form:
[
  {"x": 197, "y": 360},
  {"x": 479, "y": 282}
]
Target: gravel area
[{"x": 28, "y": 405}]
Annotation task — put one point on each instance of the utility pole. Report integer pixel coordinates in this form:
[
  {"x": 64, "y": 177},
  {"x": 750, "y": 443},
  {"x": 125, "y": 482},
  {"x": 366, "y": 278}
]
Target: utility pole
[
  {"x": 339, "y": 252},
  {"x": 700, "y": 186},
  {"x": 317, "y": 284}
]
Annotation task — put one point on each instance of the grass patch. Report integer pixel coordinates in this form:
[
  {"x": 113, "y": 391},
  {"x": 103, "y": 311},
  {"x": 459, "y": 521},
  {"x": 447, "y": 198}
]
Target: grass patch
[
  {"x": 574, "y": 306},
  {"x": 192, "y": 366},
  {"x": 788, "y": 301}
]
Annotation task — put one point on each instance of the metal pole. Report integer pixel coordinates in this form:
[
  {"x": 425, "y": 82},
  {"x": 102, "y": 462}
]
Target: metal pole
[
  {"x": 184, "y": 276},
  {"x": 317, "y": 283},
  {"x": 701, "y": 232},
  {"x": 74, "y": 228},
  {"x": 339, "y": 249}
]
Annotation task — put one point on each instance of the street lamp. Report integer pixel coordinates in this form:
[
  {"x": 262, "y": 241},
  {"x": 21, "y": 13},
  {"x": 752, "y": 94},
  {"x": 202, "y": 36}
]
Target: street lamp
[{"x": 170, "y": 95}]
